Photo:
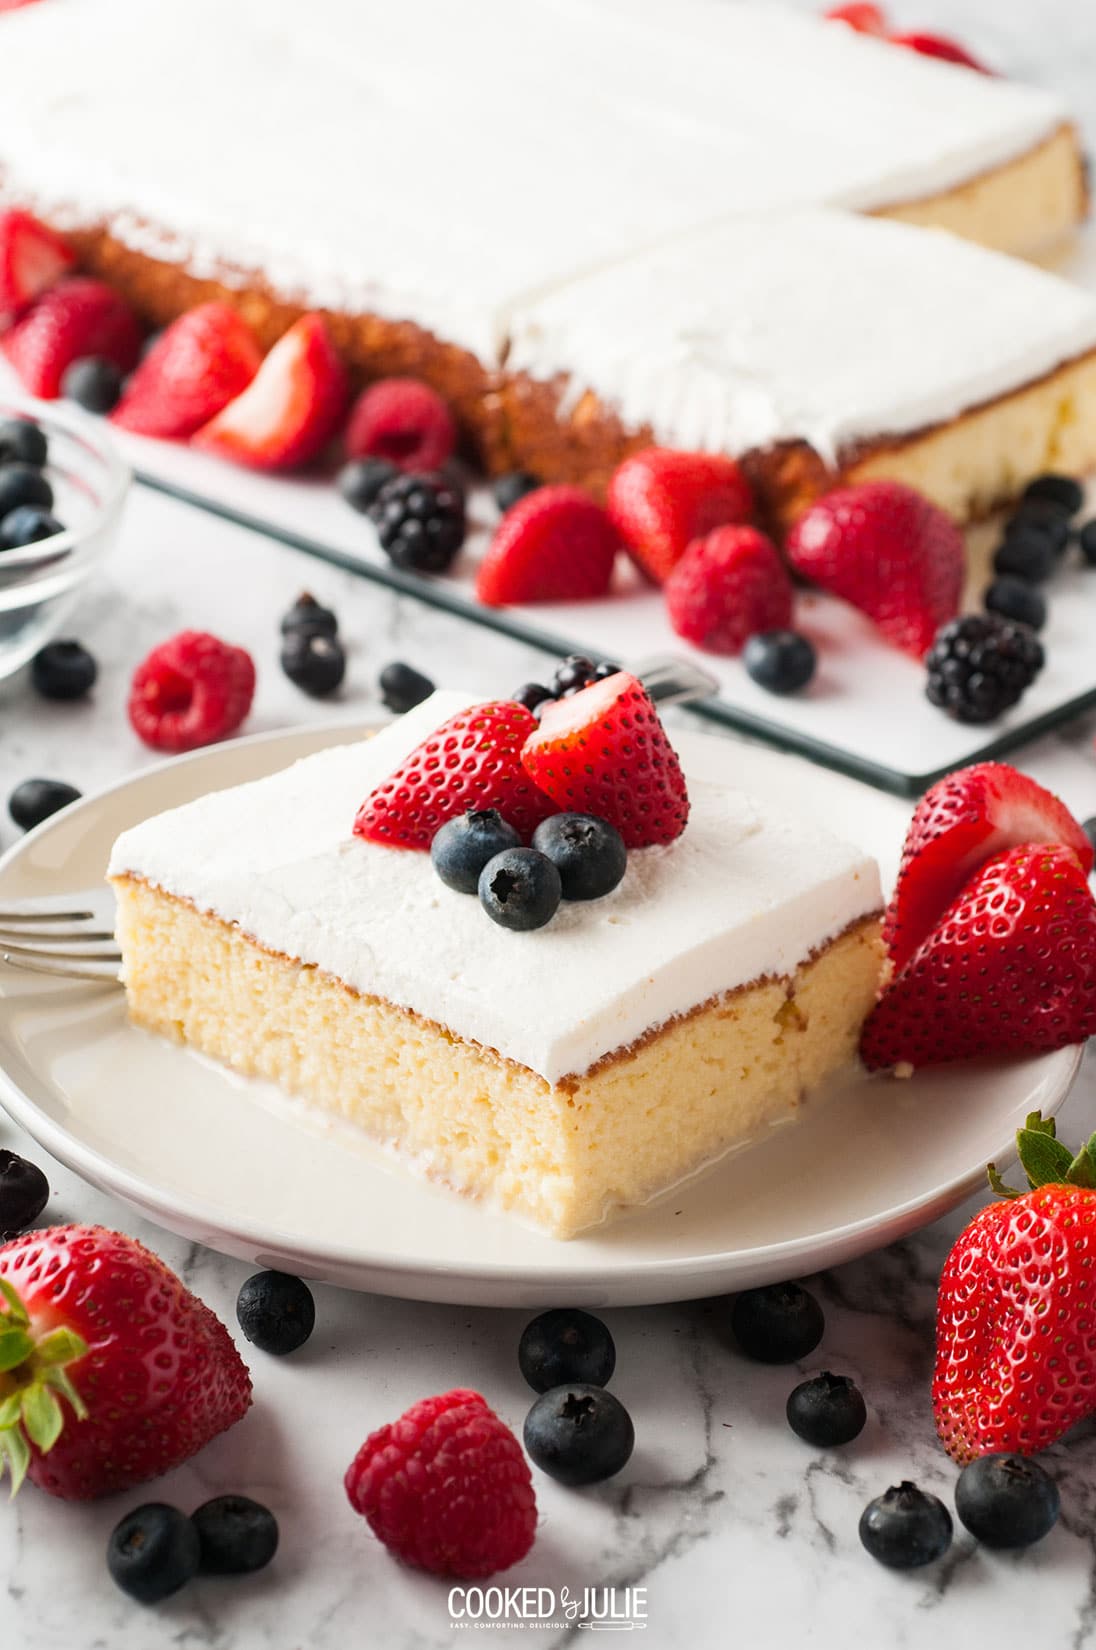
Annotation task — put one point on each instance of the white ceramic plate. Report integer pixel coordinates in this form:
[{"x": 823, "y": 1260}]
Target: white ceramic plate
[{"x": 232, "y": 1165}]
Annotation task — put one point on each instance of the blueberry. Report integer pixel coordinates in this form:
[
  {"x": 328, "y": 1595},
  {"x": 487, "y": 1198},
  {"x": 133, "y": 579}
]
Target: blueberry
[
  {"x": 510, "y": 488},
  {"x": 1007, "y": 1500},
  {"x": 578, "y": 1434},
  {"x": 93, "y": 383},
  {"x": 309, "y": 614},
  {"x": 237, "y": 1535},
  {"x": 402, "y": 687},
  {"x": 24, "y": 1193},
  {"x": 153, "y": 1552},
  {"x": 22, "y": 440},
  {"x": 276, "y": 1312},
  {"x": 532, "y": 694},
  {"x": 1037, "y": 516},
  {"x": 36, "y": 799},
  {"x": 1017, "y": 599},
  {"x": 23, "y": 484},
  {"x": 520, "y": 889},
  {"x": 1026, "y": 553},
  {"x": 361, "y": 480},
  {"x": 573, "y": 675},
  {"x": 313, "y": 662},
  {"x": 63, "y": 670},
  {"x": 566, "y": 1345},
  {"x": 603, "y": 671},
  {"x": 778, "y": 1324},
  {"x": 463, "y": 846},
  {"x": 1062, "y": 491},
  {"x": 27, "y": 524},
  {"x": 588, "y": 853},
  {"x": 827, "y": 1410},
  {"x": 148, "y": 344},
  {"x": 780, "y": 661},
  {"x": 905, "y": 1527},
  {"x": 1086, "y": 538}
]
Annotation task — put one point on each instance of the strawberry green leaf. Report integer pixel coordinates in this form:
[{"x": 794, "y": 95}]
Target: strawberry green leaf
[
  {"x": 1046, "y": 1161},
  {"x": 42, "y": 1417},
  {"x": 58, "y": 1380},
  {"x": 11, "y": 1408},
  {"x": 16, "y": 1316},
  {"x": 1038, "y": 1124},
  {"x": 15, "y": 1454},
  {"x": 1082, "y": 1171},
  {"x": 997, "y": 1185},
  {"x": 60, "y": 1346},
  {"x": 16, "y": 1347}
]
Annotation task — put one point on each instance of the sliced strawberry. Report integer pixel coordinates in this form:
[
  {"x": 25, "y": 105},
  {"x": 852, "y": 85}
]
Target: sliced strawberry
[
  {"x": 965, "y": 819},
  {"x": 939, "y": 46},
  {"x": 472, "y": 761},
  {"x": 890, "y": 552},
  {"x": 196, "y": 367},
  {"x": 76, "y": 318},
  {"x": 661, "y": 500},
  {"x": 604, "y": 751},
  {"x": 861, "y": 16},
  {"x": 32, "y": 259},
  {"x": 728, "y": 587},
  {"x": 1010, "y": 968},
  {"x": 291, "y": 408},
  {"x": 553, "y": 545}
]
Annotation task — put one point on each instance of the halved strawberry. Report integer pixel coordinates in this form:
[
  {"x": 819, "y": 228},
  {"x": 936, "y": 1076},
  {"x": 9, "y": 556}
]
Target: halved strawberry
[
  {"x": 291, "y": 408},
  {"x": 472, "y": 761},
  {"x": 196, "y": 367},
  {"x": 604, "y": 751},
  {"x": 1009, "y": 969},
  {"x": 965, "y": 819},
  {"x": 32, "y": 259},
  {"x": 862, "y": 16},
  {"x": 661, "y": 500},
  {"x": 78, "y": 317},
  {"x": 940, "y": 46},
  {"x": 553, "y": 545}
]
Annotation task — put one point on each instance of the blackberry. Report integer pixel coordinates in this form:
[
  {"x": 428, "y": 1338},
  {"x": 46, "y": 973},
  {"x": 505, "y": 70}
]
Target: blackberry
[
  {"x": 980, "y": 665},
  {"x": 419, "y": 521}
]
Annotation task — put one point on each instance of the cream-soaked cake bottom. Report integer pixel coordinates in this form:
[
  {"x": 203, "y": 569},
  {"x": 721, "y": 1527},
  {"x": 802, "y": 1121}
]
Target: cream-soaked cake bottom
[{"x": 561, "y": 1155}]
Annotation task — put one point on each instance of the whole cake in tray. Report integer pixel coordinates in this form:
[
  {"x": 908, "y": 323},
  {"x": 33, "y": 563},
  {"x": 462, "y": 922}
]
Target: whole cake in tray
[
  {"x": 195, "y": 150},
  {"x": 558, "y": 1073}
]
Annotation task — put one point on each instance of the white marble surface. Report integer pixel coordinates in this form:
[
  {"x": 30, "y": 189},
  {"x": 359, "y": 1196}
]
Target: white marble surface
[{"x": 740, "y": 1534}]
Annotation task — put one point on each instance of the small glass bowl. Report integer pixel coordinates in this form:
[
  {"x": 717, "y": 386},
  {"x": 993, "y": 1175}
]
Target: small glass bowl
[{"x": 41, "y": 583}]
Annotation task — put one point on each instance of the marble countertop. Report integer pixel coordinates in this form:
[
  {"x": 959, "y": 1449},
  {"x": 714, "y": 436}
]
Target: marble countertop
[{"x": 727, "y": 1529}]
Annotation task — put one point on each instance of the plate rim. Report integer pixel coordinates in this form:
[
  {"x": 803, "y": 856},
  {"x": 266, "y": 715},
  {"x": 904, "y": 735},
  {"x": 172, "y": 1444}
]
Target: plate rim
[{"x": 184, "y": 1213}]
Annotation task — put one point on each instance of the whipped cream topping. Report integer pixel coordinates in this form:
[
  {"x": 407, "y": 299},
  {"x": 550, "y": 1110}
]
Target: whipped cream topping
[
  {"x": 743, "y": 893},
  {"x": 401, "y": 159},
  {"x": 719, "y": 342}
]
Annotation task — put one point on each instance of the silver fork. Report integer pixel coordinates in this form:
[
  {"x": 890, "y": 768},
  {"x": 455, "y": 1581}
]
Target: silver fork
[
  {"x": 36, "y": 941},
  {"x": 60, "y": 943}
]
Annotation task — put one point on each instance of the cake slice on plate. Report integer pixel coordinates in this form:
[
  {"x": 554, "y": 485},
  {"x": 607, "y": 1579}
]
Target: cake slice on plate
[{"x": 557, "y": 1074}]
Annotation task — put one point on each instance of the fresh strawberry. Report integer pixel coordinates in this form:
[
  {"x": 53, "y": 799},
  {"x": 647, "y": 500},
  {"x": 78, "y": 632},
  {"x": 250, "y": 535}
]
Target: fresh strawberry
[
  {"x": 939, "y": 45},
  {"x": 1010, "y": 968},
  {"x": 604, "y": 751},
  {"x": 115, "y": 1372},
  {"x": 1015, "y": 1326},
  {"x": 32, "y": 259},
  {"x": 861, "y": 16},
  {"x": 890, "y": 552},
  {"x": 661, "y": 500},
  {"x": 726, "y": 588},
  {"x": 553, "y": 545},
  {"x": 76, "y": 318},
  {"x": 965, "y": 819},
  {"x": 191, "y": 690},
  {"x": 291, "y": 408},
  {"x": 196, "y": 367},
  {"x": 404, "y": 421},
  {"x": 472, "y": 761}
]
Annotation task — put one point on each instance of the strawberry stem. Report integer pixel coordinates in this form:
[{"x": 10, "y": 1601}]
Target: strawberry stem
[
  {"x": 1046, "y": 1160},
  {"x": 33, "y": 1380}
]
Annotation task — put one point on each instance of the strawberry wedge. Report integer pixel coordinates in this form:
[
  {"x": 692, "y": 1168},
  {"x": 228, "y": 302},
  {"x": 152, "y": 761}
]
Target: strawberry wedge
[
  {"x": 291, "y": 408},
  {"x": 32, "y": 259},
  {"x": 202, "y": 362}
]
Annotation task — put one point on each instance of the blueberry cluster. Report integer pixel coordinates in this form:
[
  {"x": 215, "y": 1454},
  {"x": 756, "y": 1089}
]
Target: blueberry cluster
[
  {"x": 156, "y": 1549},
  {"x": 576, "y": 1432},
  {"x": 1003, "y": 1500},
  {"x": 312, "y": 655},
  {"x": 575, "y": 673},
  {"x": 572, "y": 856},
  {"x": 26, "y": 496},
  {"x": 980, "y": 665}
]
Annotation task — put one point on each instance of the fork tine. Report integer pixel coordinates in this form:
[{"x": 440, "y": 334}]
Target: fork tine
[
  {"x": 67, "y": 971},
  {"x": 83, "y": 936},
  {"x": 11, "y": 918},
  {"x": 63, "y": 953}
]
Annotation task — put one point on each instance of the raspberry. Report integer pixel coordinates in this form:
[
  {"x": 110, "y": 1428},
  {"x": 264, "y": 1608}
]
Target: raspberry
[
  {"x": 404, "y": 421},
  {"x": 191, "y": 691},
  {"x": 447, "y": 1488},
  {"x": 728, "y": 587}
]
